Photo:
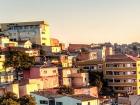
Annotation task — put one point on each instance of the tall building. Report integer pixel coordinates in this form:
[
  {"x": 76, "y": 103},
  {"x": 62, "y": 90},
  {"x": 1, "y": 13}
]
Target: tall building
[
  {"x": 123, "y": 73},
  {"x": 37, "y": 32}
]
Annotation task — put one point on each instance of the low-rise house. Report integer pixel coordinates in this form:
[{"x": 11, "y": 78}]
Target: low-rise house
[
  {"x": 49, "y": 75},
  {"x": 66, "y": 72},
  {"x": 25, "y": 44},
  {"x": 31, "y": 52},
  {"x": 76, "y": 47},
  {"x": 88, "y": 55},
  {"x": 2, "y": 60},
  {"x": 79, "y": 79},
  {"x": 55, "y": 49},
  {"x": 13, "y": 87},
  {"x": 26, "y": 89},
  {"x": 91, "y": 65},
  {"x": 43, "y": 97},
  {"x": 5, "y": 42},
  {"x": 72, "y": 78},
  {"x": 7, "y": 76},
  {"x": 66, "y": 60},
  {"x": 92, "y": 91}
]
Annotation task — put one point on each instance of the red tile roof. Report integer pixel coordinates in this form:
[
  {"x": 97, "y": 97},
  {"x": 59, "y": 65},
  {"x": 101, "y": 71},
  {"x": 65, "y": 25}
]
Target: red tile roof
[{"x": 120, "y": 58}]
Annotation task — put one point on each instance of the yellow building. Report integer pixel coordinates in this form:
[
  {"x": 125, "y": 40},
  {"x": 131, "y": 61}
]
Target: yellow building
[
  {"x": 27, "y": 89},
  {"x": 5, "y": 42},
  {"x": 123, "y": 73},
  {"x": 36, "y": 31},
  {"x": 2, "y": 60},
  {"x": 55, "y": 49}
]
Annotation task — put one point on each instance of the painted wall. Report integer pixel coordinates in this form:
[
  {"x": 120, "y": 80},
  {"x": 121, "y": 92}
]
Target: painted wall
[
  {"x": 38, "y": 98},
  {"x": 67, "y": 100}
]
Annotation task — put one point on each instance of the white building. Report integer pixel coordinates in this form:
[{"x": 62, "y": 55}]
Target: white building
[
  {"x": 43, "y": 98},
  {"x": 37, "y": 32}
]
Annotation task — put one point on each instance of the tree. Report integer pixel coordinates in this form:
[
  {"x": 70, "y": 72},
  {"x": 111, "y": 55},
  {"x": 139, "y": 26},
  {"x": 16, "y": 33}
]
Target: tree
[
  {"x": 96, "y": 79},
  {"x": 18, "y": 60},
  {"x": 9, "y": 98},
  {"x": 27, "y": 100},
  {"x": 65, "y": 90}
]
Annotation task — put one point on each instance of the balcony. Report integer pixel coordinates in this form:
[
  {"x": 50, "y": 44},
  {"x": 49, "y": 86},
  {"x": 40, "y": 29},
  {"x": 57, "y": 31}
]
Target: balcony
[
  {"x": 120, "y": 68},
  {"x": 122, "y": 84},
  {"x": 120, "y": 76}
]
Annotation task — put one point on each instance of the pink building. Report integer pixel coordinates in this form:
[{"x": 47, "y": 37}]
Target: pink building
[
  {"x": 79, "y": 79},
  {"x": 92, "y": 91},
  {"x": 72, "y": 78},
  {"x": 48, "y": 76}
]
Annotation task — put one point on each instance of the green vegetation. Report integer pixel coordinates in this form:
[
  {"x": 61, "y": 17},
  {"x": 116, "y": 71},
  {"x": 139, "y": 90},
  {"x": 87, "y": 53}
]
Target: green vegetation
[
  {"x": 65, "y": 90},
  {"x": 18, "y": 60},
  {"x": 96, "y": 79},
  {"x": 10, "y": 98}
]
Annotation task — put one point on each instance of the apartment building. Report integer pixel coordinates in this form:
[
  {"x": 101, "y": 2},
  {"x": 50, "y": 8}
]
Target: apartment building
[
  {"x": 36, "y": 31},
  {"x": 123, "y": 73}
]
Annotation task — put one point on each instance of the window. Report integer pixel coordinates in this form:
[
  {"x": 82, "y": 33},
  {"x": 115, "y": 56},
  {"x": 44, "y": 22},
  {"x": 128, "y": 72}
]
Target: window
[
  {"x": 59, "y": 103},
  {"x": 43, "y": 102},
  {"x": 116, "y": 73},
  {"x": 99, "y": 66},
  {"x": 43, "y": 43},
  {"x": 133, "y": 72},
  {"x": 78, "y": 104},
  {"x": 88, "y": 103},
  {"x": 43, "y": 32},
  {"x": 134, "y": 88},
  {"x": 110, "y": 80},
  {"x": 54, "y": 71},
  {"x": 134, "y": 64},
  {"x": 117, "y": 80},
  {"x": 43, "y": 38},
  {"x": 109, "y": 73}
]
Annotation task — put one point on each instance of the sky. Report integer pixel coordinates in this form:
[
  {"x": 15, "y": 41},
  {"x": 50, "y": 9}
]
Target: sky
[{"x": 79, "y": 21}]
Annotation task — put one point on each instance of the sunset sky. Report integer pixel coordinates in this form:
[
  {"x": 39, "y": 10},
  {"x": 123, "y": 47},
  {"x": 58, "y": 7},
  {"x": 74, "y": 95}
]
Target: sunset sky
[{"x": 79, "y": 21}]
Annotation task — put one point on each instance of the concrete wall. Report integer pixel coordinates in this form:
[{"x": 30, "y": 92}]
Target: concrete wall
[
  {"x": 134, "y": 99},
  {"x": 38, "y": 98},
  {"x": 68, "y": 100}
]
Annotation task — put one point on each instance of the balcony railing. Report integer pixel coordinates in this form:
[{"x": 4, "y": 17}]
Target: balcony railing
[
  {"x": 122, "y": 84},
  {"x": 120, "y": 68},
  {"x": 120, "y": 76}
]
